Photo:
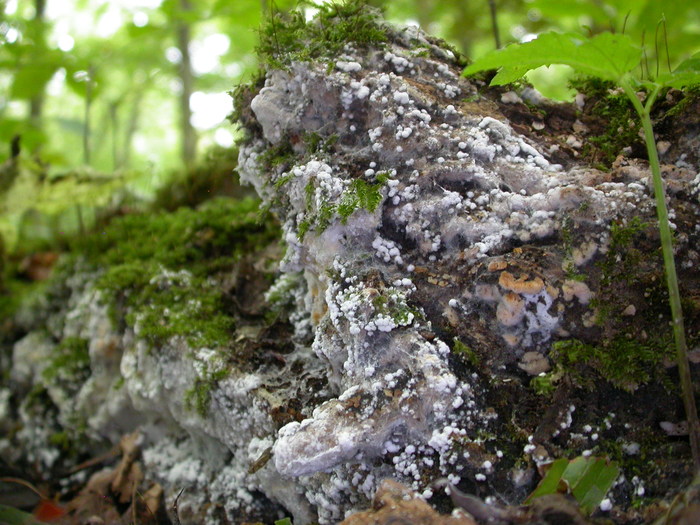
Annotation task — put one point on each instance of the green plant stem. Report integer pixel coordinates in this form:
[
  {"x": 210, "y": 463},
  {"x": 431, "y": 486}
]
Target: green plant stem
[{"x": 670, "y": 266}]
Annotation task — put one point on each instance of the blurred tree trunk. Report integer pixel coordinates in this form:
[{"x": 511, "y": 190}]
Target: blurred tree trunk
[
  {"x": 89, "y": 84},
  {"x": 36, "y": 104},
  {"x": 131, "y": 127},
  {"x": 189, "y": 138}
]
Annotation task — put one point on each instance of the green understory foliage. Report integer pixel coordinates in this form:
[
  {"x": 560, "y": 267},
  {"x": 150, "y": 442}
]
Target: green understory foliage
[
  {"x": 587, "y": 479},
  {"x": 161, "y": 266}
]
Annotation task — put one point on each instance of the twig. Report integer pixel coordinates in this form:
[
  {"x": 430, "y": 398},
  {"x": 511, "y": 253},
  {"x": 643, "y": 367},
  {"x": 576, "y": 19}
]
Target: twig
[
  {"x": 114, "y": 451},
  {"x": 175, "y": 515},
  {"x": 24, "y": 483}
]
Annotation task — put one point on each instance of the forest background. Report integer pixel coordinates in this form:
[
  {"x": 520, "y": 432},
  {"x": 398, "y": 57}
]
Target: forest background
[{"x": 103, "y": 103}]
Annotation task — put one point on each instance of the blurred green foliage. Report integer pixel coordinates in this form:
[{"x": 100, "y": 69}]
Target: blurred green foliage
[{"x": 91, "y": 87}]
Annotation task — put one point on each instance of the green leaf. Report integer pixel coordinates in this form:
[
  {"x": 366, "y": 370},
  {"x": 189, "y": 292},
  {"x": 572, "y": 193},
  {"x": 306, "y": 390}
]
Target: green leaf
[
  {"x": 509, "y": 75},
  {"x": 605, "y": 56},
  {"x": 587, "y": 479},
  {"x": 550, "y": 483},
  {"x": 13, "y": 516},
  {"x": 29, "y": 81},
  {"x": 284, "y": 521}
]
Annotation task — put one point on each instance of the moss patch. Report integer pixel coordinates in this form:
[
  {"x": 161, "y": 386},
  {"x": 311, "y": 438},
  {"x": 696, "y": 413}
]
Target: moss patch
[
  {"x": 624, "y": 362},
  {"x": 70, "y": 362},
  {"x": 621, "y": 267},
  {"x": 614, "y": 115},
  {"x": 160, "y": 267},
  {"x": 288, "y": 37},
  {"x": 358, "y": 194},
  {"x": 198, "y": 397},
  {"x": 466, "y": 353}
]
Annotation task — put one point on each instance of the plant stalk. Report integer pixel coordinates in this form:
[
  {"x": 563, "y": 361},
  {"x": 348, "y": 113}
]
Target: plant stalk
[{"x": 670, "y": 267}]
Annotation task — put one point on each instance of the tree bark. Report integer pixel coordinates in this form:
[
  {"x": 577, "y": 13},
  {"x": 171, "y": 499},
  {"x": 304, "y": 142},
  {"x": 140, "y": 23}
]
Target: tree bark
[
  {"x": 188, "y": 135},
  {"x": 36, "y": 104}
]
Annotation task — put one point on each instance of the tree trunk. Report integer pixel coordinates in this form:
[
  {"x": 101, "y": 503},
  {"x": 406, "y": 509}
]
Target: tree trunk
[
  {"x": 36, "y": 104},
  {"x": 88, "y": 105},
  {"x": 188, "y": 135},
  {"x": 132, "y": 126}
]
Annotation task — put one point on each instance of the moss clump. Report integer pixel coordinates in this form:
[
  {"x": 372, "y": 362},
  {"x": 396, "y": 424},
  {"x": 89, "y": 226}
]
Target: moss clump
[
  {"x": 614, "y": 111},
  {"x": 199, "y": 396},
  {"x": 620, "y": 267},
  {"x": 317, "y": 144},
  {"x": 545, "y": 384},
  {"x": 467, "y": 353},
  {"x": 276, "y": 156},
  {"x": 70, "y": 362},
  {"x": 160, "y": 266},
  {"x": 358, "y": 194},
  {"x": 393, "y": 303},
  {"x": 624, "y": 362},
  {"x": 289, "y": 37}
]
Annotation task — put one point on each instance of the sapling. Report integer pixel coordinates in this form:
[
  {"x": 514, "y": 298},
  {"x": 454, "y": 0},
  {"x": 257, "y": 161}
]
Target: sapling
[{"x": 616, "y": 58}]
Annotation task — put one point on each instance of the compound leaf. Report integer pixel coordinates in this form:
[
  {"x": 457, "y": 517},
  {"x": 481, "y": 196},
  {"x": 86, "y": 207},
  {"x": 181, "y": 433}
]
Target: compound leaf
[{"x": 607, "y": 56}]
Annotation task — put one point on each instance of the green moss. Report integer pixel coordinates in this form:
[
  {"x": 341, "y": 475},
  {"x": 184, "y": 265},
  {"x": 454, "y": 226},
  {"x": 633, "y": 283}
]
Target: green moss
[
  {"x": 288, "y": 37},
  {"x": 303, "y": 228},
  {"x": 316, "y": 144},
  {"x": 465, "y": 352},
  {"x": 624, "y": 362},
  {"x": 283, "y": 180},
  {"x": 360, "y": 194},
  {"x": 198, "y": 397},
  {"x": 651, "y": 463},
  {"x": 60, "y": 440},
  {"x": 566, "y": 233},
  {"x": 393, "y": 303},
  {"x": 275, "y": 156},
  {"x": 619, "y": 267},
  {"x": 69, "y": 361},
  {"x": 690, "y": 96},
  {"x": 613, "y": 108},
  {"x": 544, "y": 385},
  {"x": 159, "y": 266},
  {"x": 324, "y": 216},
  {"x": 15, "y": 292}
]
